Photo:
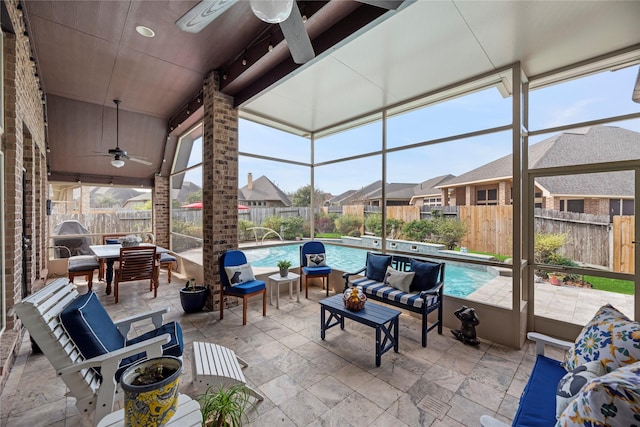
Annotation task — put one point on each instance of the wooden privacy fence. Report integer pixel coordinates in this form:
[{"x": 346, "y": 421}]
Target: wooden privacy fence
[
  {"x": 489, "y": 228},
  {"x": 587, "y": 235},
  {"x": 623, "y": 246},
  {"x": 107, "y": 222}
]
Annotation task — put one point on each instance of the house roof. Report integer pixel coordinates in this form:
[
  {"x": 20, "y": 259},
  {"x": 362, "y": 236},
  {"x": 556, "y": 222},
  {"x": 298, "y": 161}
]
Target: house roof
[
  {"x": 395, "y": 191},
  {"x": 592, "y": 144},
  {"x": 263, "y": 190},
  {"x": 429, "y": 187}
]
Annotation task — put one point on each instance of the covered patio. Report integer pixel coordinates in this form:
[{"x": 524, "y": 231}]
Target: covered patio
[
  {"x": 306, "y": 381},
  {"x": 65, "y": 63}
]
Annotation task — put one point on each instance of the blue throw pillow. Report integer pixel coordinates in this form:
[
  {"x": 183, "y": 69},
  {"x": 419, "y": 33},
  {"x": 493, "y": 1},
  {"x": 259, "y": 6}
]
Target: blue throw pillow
[
  {"x": 377, "y": 266},
  {"x": 426, "y": 275}
]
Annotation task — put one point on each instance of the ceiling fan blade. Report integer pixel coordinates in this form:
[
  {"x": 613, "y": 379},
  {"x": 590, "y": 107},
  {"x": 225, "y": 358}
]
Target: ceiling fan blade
[
  {"x": 200, "y": 15},
  {"x": 138, "y": 160},
  {"x": 297, "y": 38},
  {"x": 385, "y": 4}
]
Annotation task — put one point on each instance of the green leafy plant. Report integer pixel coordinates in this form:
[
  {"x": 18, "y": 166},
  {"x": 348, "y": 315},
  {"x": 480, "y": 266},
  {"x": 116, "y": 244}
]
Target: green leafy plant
[
  {"x": 349, "y": 225},
  {"x": 224, "y": 406},
  {"x": 450, "y": 231},
  {"x": 284, "y": 264}
]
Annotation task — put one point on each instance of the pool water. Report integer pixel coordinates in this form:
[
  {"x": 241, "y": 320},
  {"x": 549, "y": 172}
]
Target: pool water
[{"x": 459, "y": 280}]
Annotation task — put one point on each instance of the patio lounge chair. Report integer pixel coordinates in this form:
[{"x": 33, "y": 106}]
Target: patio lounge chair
[{"x": 86, "y": 348}]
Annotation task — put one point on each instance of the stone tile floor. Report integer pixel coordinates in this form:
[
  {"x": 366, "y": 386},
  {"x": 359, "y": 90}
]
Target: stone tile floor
[{"x": 306, "y": 381}]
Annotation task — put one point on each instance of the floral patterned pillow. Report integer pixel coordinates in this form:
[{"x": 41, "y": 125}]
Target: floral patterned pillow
[
  {"x": 610, "y": 400},
  {"x": 610, "y": 337}
]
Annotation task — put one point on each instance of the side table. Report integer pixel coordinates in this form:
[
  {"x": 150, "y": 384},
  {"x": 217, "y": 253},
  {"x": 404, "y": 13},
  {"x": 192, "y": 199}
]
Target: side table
[
  {"x": 276, "y": 280},
  {"x": 187, "y": 415}
]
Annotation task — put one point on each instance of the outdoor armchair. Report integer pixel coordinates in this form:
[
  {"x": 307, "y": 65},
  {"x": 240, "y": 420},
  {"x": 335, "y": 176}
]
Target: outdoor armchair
[
  {"x": 313, "y": 264},
  {"x": 237, "y": 280}
]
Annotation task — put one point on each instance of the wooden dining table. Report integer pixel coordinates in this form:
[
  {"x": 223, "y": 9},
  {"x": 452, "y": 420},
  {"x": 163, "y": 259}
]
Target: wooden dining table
[{"x": 111, "y": 253}]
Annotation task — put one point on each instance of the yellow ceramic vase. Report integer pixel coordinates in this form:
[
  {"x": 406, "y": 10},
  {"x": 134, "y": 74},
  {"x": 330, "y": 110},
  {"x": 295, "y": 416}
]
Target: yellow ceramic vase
[{"x": 154, "y": 404}]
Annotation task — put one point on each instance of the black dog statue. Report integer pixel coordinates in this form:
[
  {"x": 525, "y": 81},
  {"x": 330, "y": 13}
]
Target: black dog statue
[{"x": 467, "y": 331}]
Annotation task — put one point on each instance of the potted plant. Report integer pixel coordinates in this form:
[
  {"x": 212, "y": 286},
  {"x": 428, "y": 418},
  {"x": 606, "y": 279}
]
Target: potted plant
[
  {"x": 284, "y": 265},
  {"x": 151, "y": 391},
  {"x": 193, "y": 297},
  {"x": 224, "y": 406},
  {"x": 130, "y": 240}
]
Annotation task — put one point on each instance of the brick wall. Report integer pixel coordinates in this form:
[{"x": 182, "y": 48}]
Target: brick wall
[
  {"x": 219, "y": 182},
  {"x": 23, "y": 144}
]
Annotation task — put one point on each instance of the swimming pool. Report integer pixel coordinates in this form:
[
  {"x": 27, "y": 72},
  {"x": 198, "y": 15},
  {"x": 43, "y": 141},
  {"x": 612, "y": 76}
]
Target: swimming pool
[{"x": 459, "y": 280}]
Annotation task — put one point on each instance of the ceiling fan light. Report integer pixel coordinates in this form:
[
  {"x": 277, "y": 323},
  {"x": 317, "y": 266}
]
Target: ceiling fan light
[
  {"x": 272, "y": 11},
  {"x": 118, "y": 163}
]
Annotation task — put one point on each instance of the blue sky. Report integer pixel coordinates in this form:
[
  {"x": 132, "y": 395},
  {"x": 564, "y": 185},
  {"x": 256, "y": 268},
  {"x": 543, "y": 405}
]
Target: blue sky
[{"x": 602, "y": 95}]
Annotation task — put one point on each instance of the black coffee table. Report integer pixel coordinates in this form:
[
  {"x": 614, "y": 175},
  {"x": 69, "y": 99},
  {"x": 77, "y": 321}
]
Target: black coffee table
[{"x": 383, "y": 319}]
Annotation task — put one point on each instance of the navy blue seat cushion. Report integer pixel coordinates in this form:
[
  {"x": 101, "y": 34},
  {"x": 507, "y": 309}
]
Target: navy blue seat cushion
[
  {"x": 426, "y": 275},
  {"x": 94, "y": 333},
  {"x": 167, "y": 257},
  {"x": 317, "y": 271},
  {"x": 377, "y": 266},
  {"x": 246, "y": 287},
  {"x": 83, "y": 263},
  {"x": 538, "y": 401},
  {"x": 90, "y": 327},
  {"x": 112, "y": 241},
  {"x": 175, "y": 347}
]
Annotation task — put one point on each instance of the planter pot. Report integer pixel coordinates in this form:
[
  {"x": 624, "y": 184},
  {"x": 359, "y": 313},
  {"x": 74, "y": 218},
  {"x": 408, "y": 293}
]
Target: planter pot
[
  {"x": 193, "y": 299},
  {"x": 284, "y": 272},
  {"x": 152, "y": 404},
  {"x": 554, "y": 280}
]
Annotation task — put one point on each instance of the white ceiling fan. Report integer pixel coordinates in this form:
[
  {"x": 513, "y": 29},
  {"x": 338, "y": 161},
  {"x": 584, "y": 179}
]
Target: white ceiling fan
[
  {"x": 118, "y": 154},
  {"x": 283, "y": 12}
]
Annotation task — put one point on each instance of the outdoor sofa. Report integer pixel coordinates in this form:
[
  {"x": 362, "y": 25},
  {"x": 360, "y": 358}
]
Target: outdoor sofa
[
  {"x": 597, "y": 384},
  {"x": 409, "y": 283}
]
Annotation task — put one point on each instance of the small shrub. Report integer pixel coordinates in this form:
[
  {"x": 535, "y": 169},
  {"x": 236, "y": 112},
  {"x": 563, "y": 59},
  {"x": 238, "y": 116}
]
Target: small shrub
[
  {"x": 450, "y": 231},
  {"x": 292, "y": 227},
  {"x": 243, "y": 234},
  {"x": 349, "y": 225},
  {"x": 418, "y": 230}
]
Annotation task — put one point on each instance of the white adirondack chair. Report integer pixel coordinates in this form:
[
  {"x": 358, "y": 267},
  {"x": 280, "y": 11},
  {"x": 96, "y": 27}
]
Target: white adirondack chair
[{"x": 40, "y": 312}]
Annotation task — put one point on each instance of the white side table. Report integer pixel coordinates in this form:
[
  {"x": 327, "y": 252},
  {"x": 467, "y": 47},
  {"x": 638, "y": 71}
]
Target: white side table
[
  {"x": 277, "y": 279},
  {"x": 187, "y": 414}
]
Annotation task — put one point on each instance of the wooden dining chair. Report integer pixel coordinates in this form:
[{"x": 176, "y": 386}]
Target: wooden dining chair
[
  {"x": 108, "y": 239},
  {"x": 137, "y": 263}
]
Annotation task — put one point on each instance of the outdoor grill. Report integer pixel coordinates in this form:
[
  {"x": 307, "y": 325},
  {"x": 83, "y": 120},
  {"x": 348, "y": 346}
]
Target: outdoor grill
[{"x": 76, "y": 245}]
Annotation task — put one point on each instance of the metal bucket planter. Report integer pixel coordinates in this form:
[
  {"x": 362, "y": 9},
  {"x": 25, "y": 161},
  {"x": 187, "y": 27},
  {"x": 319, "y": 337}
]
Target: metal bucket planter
[{"x": 151, "y": 404}]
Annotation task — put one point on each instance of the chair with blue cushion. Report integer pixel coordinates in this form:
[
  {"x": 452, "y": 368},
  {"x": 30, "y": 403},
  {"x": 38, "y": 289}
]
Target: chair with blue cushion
[
  {"x": 241, "y": 284},
  {"x": 167, "y": 260},
  {"x": 86, "y": 348},
  {"x": 313, "y": 264}
]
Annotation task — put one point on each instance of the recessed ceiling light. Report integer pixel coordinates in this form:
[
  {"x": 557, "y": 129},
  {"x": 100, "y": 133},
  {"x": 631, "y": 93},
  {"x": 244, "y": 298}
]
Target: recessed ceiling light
[{"x": 145, "y": 31}]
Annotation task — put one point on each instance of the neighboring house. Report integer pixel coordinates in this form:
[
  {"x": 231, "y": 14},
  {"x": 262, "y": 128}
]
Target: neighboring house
[
  {"x": 398, "y": 194},
  {"x": 137, "y": 201},
  {"x": 262, "y": 193},
  {"x": 340, "y": 199},
  {"x": 427, "y": 194},
  {"x": 609, "y": 193}
]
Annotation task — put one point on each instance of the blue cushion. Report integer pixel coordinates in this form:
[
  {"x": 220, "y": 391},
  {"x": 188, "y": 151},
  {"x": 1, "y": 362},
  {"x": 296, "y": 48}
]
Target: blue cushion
[
  {"x": 538, "y": 400},
  {"x": 83, "y": 263},
  {"x": 112, "y": 241},
  {"x": 175, "y": 347},
  {"x": 90, "y": 327},
  {"x": 426, "y": 275},
  {"x": 377, "y": 266},
  {"x": 246, "y": 287},
  {"x": 167, "y": 257},
  {"x": 317, "y": 271}
]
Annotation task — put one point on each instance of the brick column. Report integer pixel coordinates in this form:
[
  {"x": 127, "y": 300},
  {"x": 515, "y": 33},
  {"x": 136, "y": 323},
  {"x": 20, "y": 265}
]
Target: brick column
[
  {"x": 161, "y": 210},
  {"x": 219, "y": 182}
]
